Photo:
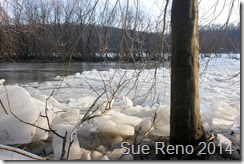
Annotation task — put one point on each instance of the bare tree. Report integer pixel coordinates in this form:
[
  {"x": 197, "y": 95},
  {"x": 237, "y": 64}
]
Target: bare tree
[{"x": 185, "y": 120}]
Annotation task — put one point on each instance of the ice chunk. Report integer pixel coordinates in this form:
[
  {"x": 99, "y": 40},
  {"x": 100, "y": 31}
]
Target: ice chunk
[
  {"x": 146, "y": 126},
  {"x": 95, "y": 155},
  {"x": 100, "y": 119},
  {"x": 2, "y": 81},
  {"x": 117, "y": 142},
  {"x": 46, "y": 85},
  {"x": 34, "y": 84},
  {"x": 163, "y": 111},
  {"x": 121, "y": 118},
  {"x": 57, "y": 143},
  {"x": 146, "y": 112},
  {"x": 57, "y": 78},
  {"x": 222, "y": 111},
  {"x": 161, "y": 131},
  {"x": 42, "y": 121},
  {"x": 160, "y": 121},
  {"x": 52, "y": 103},
  {"x": 206, "y": 126},
  {"x": 127, "y": 101},
  {"x": 102, "y": 105},
  {"x": 13, "y": 131},
  {"x": 41, "y": 134},
  {"x": 105, "y": 158},
  {"x": 236, "y": 130},
  {"x": 102, "y": 149},
  {"x": 108, "y": 126},
  {"x": 163, "y": 114},
  {"x": 116, "y": 154},
  {"x": 71, "y": 114},
  {"x": 77, "y": 75},
  {"x": 71, "y": 117},
  {"x": 74, "y": 149},
  {"x": 86, "y": 155},
  {"x": 131, "y": 111},
  {"x": 41, "y": 106},
  {"x": 83, "y": 102},
  {"x": 220, "y": 123},
  {"x": 223, "y": 140},
  {"x": 48, "y": 150}
]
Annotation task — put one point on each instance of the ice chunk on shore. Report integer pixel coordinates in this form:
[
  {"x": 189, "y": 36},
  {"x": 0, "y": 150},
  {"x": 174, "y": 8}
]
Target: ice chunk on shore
[
  {"x": 57, "y": 143},
  {"x": 220, "y": 123},
  {"x": 163, "y": 111},
  {"x": 206, "y": 126},
  {"x": 2, "y": 81},
  {"x": 222, "y": 111},
  {"x": 127, "y": 101},
  {"x": 221, "y": 139},
  {"x": 52, "y": 103},
  {"x": 102, "y": 105},
  {"x": 229, "y": 149},
  {"x": 42, "y": 121},
  {"x": 121, "y": 118},
  {"x": 145, "y": 125},
  {"x": 71, "y": 114},
  {"x": 77, "y": 75},
  {"x": 57, "y": 78},
  {"x": 84, "y": 102},
  {"x": 105, "y": 158},
  {"x": 95, "y": 155},
  {"x": 86, "y": 154},
  {"x": 163, "y": 114},
  {"x": 116, "y": 154},
  {"x": 41, "y": 134},
  {"x": 131, "y": 111},
  {"x": 108, "y": 126},
  {"x": 163, "y": 131},
  {"x": 18, "y": 100}
]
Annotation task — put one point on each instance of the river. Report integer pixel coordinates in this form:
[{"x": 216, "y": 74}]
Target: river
[{"x": 40, "y": 72}]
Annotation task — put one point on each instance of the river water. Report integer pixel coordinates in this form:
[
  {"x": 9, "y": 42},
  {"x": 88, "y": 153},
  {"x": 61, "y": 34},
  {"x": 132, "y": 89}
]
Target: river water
[{"x": 39, "y": 72}]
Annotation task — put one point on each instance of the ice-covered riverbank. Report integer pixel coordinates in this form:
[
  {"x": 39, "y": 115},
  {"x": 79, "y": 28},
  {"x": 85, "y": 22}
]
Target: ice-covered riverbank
[{"x": 129, "y": 100}]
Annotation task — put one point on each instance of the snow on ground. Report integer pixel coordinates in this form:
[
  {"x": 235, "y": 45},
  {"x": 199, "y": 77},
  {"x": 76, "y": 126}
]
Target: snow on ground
[{"x": 132, "y": 105}]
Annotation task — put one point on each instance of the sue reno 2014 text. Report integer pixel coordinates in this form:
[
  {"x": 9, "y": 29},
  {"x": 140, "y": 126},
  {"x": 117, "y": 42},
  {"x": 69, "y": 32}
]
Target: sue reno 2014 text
[{"x": 160, "y": 147}]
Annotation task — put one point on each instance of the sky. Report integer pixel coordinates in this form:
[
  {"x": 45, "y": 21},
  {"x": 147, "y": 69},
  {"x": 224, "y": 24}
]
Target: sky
[{"x": 210, "y": 11}]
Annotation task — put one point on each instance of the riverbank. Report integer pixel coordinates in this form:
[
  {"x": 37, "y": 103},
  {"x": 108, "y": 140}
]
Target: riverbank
[{"x": 116, "y": 115}]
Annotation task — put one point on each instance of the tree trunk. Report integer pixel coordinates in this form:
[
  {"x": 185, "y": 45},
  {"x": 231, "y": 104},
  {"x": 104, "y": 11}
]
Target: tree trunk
[{"x": 185, "y": 120}]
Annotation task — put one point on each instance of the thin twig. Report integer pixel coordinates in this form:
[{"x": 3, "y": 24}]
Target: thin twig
[
  {"x": 22, "y": 152},
  {"x": 4, "y": 109}
]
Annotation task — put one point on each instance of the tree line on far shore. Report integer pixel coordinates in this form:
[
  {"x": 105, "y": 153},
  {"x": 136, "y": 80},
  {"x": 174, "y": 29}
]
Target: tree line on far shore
[{"x": 55, "y": 31}]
